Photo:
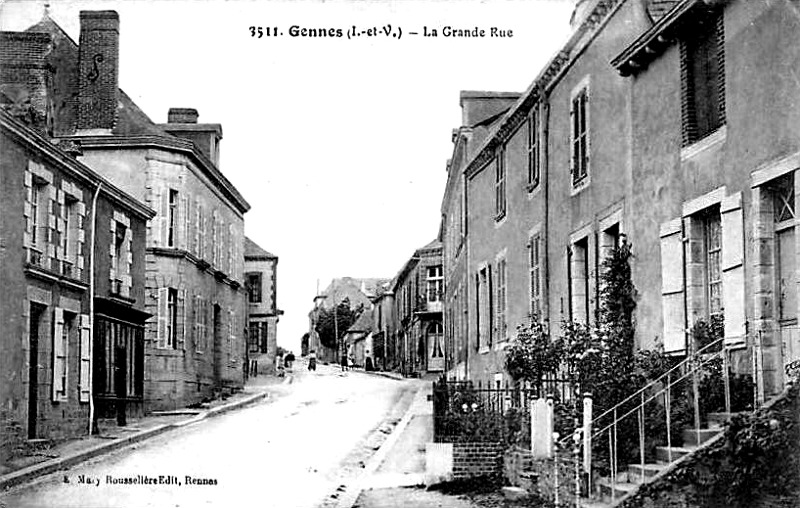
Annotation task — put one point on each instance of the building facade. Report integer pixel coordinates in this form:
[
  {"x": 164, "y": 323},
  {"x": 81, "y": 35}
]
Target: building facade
[
  {"x": 194, "y": 345},
  {"x": 419, "y": 290},
  {"x": 480, "y": 112},
  {"x": 670, "y": 123},
  {"x": 71, "y": 336},
  {"x": 261, "y": 281}
]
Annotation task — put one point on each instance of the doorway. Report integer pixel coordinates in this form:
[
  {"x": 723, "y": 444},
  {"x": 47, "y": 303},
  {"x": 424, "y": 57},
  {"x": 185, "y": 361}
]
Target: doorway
[{"x": 36, "y": 312}]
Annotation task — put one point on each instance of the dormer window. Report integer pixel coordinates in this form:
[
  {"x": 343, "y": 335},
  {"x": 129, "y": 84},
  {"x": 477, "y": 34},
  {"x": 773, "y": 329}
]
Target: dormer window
[{"x": 703, "y": 79}]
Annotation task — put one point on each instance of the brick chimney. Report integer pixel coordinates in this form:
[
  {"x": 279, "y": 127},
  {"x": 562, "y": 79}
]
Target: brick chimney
[
  {"x": 182, "y": 115},
  {"x": 182, "y": 122},
  {"x": 98, "y": 67},
  {"x": 25, "y": 75}
]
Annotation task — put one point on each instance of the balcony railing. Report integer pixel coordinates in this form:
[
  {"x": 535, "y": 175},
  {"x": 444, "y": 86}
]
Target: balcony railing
[
  {"x": 35, "y": 256},
  {"x": 67, "y": 269}
]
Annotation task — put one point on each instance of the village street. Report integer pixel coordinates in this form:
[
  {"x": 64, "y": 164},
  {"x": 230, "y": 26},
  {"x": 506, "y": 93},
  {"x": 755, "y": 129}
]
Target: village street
[{"x": 292, "y": 450}]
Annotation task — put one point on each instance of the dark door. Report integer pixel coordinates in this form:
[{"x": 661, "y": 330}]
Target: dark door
[
  {"x": 33, "y": 369},
  {"x": 121, "y": 382}
]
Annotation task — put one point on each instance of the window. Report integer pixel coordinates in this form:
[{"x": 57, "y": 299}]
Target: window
[
  {"x": 535, "y": 280},
  {"x": 435, "y": 339},
  {"x": 703, "y": 79},
  {"x": 254, "y": 338},
  {"x": 435, "y": 284},
  {"x": 254, "y": 287},
  {"x": 62, "y": 331},
  {"x": 580, "y": 136},
  {"x": 534, "y": 168},
  {"x": 500, "y": 184},
  {"x": 500, "y": 306},
  {"x": 171, "y": 319},
  {"x": 713, "y": 243},
  {"x": 172, "y": 226},
  {"x": 484, "y": 308},
  {"x": 120, "y": 255}
]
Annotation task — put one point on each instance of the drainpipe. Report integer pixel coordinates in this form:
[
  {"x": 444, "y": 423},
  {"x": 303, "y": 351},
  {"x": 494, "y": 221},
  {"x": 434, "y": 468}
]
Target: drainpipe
[
  {"x": 91, "y": 309},
  {"x": 545, "y": 176},
  {"x": 468, "y": 278}
]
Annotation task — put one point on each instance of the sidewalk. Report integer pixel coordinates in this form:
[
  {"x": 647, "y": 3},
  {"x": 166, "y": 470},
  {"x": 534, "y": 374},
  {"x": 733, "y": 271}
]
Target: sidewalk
[
  {"x": 67, "y": 454},
  {"x": 400, "y": 461}
]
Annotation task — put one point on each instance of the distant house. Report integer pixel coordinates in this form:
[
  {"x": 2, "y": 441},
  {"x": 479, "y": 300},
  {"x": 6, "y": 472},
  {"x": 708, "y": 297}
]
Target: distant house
[
  {"x": 358, "y": 340},
  {"x": 261, "y": 280},
  {"x": 418, "y": 290},
  {"x": 356, "y": 291}
]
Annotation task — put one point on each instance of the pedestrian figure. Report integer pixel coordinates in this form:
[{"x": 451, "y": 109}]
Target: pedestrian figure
[
  {"x": 289, "y": 359},
  {"x": 344, "y": 361},
  {"x": 312, "y": 361}
]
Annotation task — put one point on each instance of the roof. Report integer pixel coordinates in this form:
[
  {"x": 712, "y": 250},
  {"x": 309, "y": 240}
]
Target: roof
[
  {"x": 132, "y": 124},
  {"x": 254, "y": 252},
  {"x": 363, "y": 323}
]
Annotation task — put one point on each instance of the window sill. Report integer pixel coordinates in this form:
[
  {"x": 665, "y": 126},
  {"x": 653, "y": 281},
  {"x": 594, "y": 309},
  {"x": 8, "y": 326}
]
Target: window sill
[
  {"x": 715, "y": 138},
  {"x": 579, "y": 186},
  {"x": 484, "y": 350},
  {"x": 499, "y": 220},
  {"x": 533, "y": 189}
]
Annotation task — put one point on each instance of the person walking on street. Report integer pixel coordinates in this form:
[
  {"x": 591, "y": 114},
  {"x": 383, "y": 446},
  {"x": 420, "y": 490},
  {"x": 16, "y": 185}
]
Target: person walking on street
[
  {"x": 312, "y": 360},
  {"x": 344, "y": 362}
]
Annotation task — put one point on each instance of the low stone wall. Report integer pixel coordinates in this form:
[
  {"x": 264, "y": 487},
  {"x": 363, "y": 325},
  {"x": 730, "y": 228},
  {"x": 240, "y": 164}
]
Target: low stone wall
[
  {"x": 477, "y": 459},
  {"x": 537, "y": 476}
]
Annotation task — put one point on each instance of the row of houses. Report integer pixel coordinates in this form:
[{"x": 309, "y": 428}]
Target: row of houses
[
  {"x": 400, "y": 326},
  {"x": 672, "y": 123},
  {"x": 129, "y": 284}
]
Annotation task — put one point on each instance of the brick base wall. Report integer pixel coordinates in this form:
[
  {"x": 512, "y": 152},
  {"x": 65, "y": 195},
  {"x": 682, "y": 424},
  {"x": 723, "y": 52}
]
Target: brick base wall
[{"x": 477, "y": 459}]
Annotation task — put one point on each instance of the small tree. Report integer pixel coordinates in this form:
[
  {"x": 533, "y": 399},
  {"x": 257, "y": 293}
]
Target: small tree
[{"x": 333, "y": 320}]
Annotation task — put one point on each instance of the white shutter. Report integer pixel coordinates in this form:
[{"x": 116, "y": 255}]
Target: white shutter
[
  {"x": 198, "y": 224},
  {"x": 182, "y": 316},
  {"x": 733, "y": 298},
  {"x": 86, "y": 358},
  {"x": 59, "y": 356},
  {"x": 161, "y": 331},
  {"x": 163, "y": 218},
  {"x": 672, "y": 298}
]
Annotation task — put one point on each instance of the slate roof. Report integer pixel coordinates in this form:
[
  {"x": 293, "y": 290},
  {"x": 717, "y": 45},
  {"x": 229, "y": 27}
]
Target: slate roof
[
  {"x": 363, "y": 323},
  {"x": 254, "y": 252}
]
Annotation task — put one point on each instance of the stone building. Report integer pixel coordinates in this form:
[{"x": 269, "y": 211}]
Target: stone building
[
  {"x": 480, "y": 111},
  {"x": 194, "y": 345},
  {"x": 673, "y": 123},
  {"x": 261, "y": 281},
  {"x": 72, "y": 316},
  {"x": 418, "y": 291},
  {"x": 358, "y": 292},
  {"x": 384, "y": 333}
]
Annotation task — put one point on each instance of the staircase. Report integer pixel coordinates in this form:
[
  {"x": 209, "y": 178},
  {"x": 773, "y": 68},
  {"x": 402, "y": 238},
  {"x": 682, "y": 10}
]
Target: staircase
[
  {"x": 608, "y": 493},
  {"x": 624, "y": 480}
]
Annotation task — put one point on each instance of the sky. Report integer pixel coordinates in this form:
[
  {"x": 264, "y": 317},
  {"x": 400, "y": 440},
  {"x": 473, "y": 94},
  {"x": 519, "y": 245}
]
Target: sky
[{"x": 339, "y": 144}]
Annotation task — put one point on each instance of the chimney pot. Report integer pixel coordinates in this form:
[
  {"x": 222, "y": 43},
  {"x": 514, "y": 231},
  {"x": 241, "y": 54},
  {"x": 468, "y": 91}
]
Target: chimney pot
[{"x": 182, "y": 115}]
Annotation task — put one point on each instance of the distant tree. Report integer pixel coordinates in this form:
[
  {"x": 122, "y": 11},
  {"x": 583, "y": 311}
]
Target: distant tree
[{"x": 344, "y": 316}]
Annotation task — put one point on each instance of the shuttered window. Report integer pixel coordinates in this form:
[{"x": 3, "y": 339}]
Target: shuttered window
[
  {"x": 703, "y": 78},
  {"x": 500, "y": 184},
  {"x": 580, "y": 136},
  {"x": 85, "y": 358},
  {"x": 535, "y": 277}
]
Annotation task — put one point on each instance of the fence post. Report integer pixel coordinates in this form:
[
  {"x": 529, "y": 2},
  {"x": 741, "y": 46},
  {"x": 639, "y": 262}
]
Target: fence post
[
  {"x": 587, "y": 440},
  {"x": 555, "y": 474}
]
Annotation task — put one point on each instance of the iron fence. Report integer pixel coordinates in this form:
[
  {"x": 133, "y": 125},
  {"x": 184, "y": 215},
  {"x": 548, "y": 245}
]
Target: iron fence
[{"x": 467, "y": 412}]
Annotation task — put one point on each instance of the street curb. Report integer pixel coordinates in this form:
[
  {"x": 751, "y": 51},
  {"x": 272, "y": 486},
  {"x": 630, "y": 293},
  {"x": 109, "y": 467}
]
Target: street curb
[
  {"x": 388, "y": 375},
  {"x": 44, "y": 468},
  {"x": 348, "y": 500}
]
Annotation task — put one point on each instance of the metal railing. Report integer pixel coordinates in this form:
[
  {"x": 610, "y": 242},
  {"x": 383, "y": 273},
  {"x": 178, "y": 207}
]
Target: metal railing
[{"x": 642, "y": 431}]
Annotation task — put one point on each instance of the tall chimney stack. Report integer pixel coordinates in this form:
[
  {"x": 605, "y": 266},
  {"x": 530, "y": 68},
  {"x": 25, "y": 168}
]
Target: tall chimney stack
[{"x": 98, "y": 59}]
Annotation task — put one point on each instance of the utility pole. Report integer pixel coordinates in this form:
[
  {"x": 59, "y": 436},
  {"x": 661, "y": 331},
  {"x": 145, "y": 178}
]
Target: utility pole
[{"x": 336, "y": 328}]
